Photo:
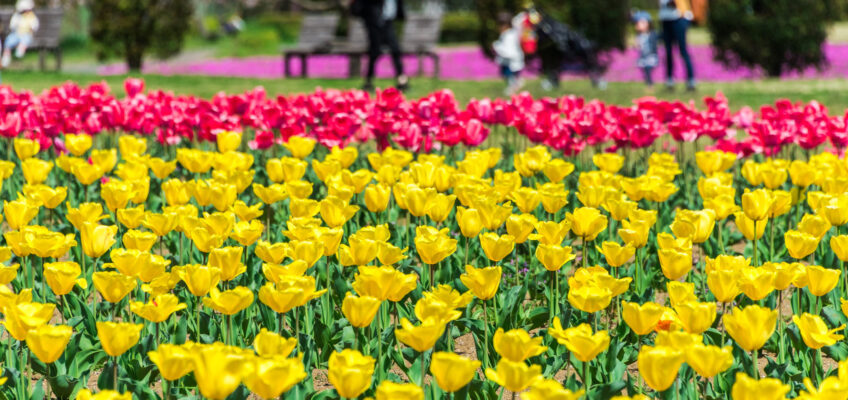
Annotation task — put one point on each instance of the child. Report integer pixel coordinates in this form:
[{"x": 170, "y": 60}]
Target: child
[
  {"x": 23, "y": 25},
  {"x": 646, "y": 43},
  {"x": 510, "y": 57}
]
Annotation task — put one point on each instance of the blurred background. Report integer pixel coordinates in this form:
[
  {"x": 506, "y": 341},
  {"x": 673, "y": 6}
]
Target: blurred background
[{"x": 765, "y": 48}]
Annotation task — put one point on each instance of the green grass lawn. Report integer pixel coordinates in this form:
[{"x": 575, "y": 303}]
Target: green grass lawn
[{"x": 753, "y": 93}]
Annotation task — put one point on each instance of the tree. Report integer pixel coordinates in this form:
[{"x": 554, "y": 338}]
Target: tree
[
  {"x": 604, "y": 22},
  {"x": 130, "y": 28},
  {"x": 775, "y": 35}
]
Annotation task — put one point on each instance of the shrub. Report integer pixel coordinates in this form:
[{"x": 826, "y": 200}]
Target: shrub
[
  {"x": 130, "y": 28},
  {"x": 460, "y": 26},
  {"x": 776, "y": 35}
]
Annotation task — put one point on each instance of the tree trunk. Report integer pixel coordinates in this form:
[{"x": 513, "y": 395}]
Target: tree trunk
[{"x": 134, "y": 58}]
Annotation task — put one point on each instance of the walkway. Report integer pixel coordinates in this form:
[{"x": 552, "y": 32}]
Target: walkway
[{"x": 466, "y": 63}]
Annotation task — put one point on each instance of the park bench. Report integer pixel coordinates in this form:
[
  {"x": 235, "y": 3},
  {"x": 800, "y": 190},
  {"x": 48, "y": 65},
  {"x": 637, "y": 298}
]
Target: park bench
[
  {"x": 47, "y": 37},
  {"x": 419, "y": 38},
  {"x": 317, "y": 32}
]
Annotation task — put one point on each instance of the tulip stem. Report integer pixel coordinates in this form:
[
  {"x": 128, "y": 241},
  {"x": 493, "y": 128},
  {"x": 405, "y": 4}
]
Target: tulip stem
[
  {"x": 820, "y": 365},
  {"x": 720, "y": 242},
  {"x": 771, "y": 241},
  {"x": 485, "y": 336},
  {"x": 779, "y": 327},
  {"x": 166, "y": 395},
  {"x": 587, "y": 378},
  {"x": 115, "y": 373},
  {"x": 638, "y": 268},
  {"x": 754, "y": 361},
  {"x": 756, "y": 263}
]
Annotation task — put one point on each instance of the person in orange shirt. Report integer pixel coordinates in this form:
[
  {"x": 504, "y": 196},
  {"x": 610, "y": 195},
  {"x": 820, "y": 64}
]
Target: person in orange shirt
[{"x": 676, "y": 15}]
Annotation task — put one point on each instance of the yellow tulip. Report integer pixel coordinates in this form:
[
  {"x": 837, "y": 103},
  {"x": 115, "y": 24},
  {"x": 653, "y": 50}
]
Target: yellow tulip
[
  {"x": 219, "y": 369},
  {"x": 496, "y": 247},
  {"x": 839, "y": 245},
  {"x": 23, "y": 316},
  {"x": 658, "y": 366},
  {"x": 750, "y": 327},
  {"x": 554, "y": 197},
  {"x": 433, "y": 246},
  {"x": 483, "y": 282},
  {"x": 26, "y": 148},
  {"x": 300, "y": 146},
  {"x": 557, "y": 169},
  {"x": 800, "y": 244},
  {"x": 229, "y": 302},
  {"x": 696, "y": 225},
  {"x": 19, "y": 213},
  {"x": 517, "y": 345},
  {"x": 173, "y": 361},
  {"x": 696, "y": 317},
  {"x": 553, "y": 257},
  {"x": 388, "y": 390},
  {"x": 335, "y": 211},
  {"x": 469, "y": 221},
  {"x": 350, "y": 372},
  {"x": 290, "y": 292},
  {"x": 118, "y": 337},
  {"x": 587, "y": 222},
  {"x": 421, "y": 337},
  {"x": 822, "y": 280},
  {"x": 709, "y": 361},
  {"x": 47, "y": 196},
  {"x": 113, "y": 286},
  {"x": 377, "y": 197},
  {"x": 814, "y": 331},
  {"x": 360, "y": 311},
  {"x": 642, "y": 319},
  {"x": 590, "y": 298},
  {"x": 131, "y": 217},
  {"x": 61, "y": 276},
  {"x": 450, "y": 296},
  {"x": 440, "y": 206},
  {"x": 616, "y": 254},
  {"x": 635, "y": 232},
  {"x": 757, "y": 204},
  {"x": 580, "y": 340},
  {"x": 452, "y": 371},
  {"x": 270, "y": 344},
  {"x": 48, "y": 342},
  {"x": 723, "y": 285},
  {"x": 85, "y": 173},
  {"x": 747, "y": 388},
  {"x": 228, "y": 141},
  {"x": 675, "y": 264},
  {"x": 97, "y": 239},
  {"x": 608, "y": 162},
  {"x": 228, "y": 260},
  {"x": 514, "y": 376},
  {"x": 550, "y": 232},
  {"x": 86, "y": 394},
  {"x": 158, "y": 309},
  {"x": 270, "y": 377}
]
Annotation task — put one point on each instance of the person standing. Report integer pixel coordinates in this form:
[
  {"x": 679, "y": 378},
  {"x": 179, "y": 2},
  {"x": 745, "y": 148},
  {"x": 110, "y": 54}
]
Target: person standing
[
  {"x": 379, "y": 17},
  {"x": 676, "y": 15}
]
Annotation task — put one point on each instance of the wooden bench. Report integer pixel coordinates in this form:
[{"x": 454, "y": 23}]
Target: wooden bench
[
  {"x": 419, "y": 38},
  {"x": 317, "y": 32},
  {"x": 48, "y": 36}
]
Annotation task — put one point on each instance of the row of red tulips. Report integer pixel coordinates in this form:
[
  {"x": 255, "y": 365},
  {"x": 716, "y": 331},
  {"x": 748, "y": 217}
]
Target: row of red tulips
[{"x": 338, "y": 118}]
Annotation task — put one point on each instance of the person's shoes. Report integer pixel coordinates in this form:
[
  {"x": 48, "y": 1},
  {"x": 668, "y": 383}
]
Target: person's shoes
[
  {"x": 20, "y": 51},
  {"x": 547, "y": 85},
  {"x": 669, "y": 86},
  {"x": 402, "y": 83},
  {"x": 690, "y": 86},
  {"x": 368, "y": 87},
  {"x": 6, "y": 60}
]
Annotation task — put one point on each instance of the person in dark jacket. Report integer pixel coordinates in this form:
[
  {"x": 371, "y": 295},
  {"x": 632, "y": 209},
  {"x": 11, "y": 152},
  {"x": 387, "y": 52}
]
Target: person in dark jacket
[{"x": 379, "y": 17}]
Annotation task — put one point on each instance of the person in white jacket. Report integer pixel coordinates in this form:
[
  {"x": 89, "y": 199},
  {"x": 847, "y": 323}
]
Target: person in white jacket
[
  {"x": 22, "y": 27},
  {"x": 509, "y": 56}
]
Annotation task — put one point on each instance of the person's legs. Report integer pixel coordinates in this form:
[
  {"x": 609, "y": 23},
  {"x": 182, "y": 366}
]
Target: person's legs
[
  {"x": 390, "y": 39},
  {"x": 681, "y": 25},
  {"x": 648, "y": 75},
  {"x": 374, "y": 49},
  {"x": 12, "y": 41},
  {"x": 668, "y": 40},
  {"x": 22, "y": 45}
]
